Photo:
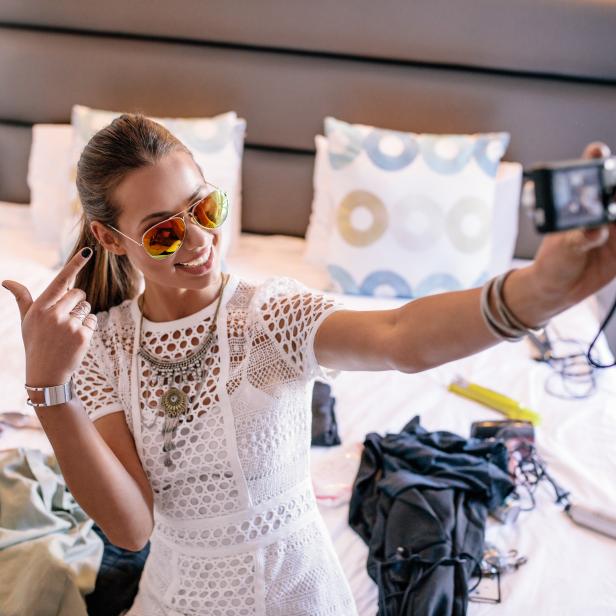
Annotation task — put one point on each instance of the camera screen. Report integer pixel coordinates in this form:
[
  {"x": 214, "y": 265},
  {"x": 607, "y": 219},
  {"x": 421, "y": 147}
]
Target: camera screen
[{"x": 577, "y": 197}]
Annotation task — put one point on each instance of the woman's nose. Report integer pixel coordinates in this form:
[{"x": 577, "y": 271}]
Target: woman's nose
[{"x": 196, "y": 235}]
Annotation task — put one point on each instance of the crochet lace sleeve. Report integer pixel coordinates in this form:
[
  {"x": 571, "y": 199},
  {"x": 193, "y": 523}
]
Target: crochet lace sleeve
[
  {"x": 93, "y": 381},
  {"x": 292, "y": 314}
]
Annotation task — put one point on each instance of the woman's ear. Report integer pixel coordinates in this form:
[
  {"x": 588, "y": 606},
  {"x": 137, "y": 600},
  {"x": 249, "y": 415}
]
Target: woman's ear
[{"x": 106, "y": 238}]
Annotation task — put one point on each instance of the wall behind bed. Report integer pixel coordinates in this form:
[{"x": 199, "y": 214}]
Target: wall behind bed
[{"x": 544, "y": 71}]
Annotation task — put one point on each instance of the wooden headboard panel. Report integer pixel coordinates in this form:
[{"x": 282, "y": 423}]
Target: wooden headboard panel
[{"x": 545, "y": 72}]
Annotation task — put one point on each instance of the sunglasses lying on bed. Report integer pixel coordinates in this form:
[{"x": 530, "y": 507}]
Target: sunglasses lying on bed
[{"x": 165, "y": 238}]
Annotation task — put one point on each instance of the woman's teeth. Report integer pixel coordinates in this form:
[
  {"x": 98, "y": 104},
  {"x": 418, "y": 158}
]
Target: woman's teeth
[{"x": 201, "y": 261}]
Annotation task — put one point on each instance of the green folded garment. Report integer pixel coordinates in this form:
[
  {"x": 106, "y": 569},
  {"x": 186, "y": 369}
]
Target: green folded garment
[{"x": 49, "y": 554}]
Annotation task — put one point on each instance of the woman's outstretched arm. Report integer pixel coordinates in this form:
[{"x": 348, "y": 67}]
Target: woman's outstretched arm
[
  {"x": 425, "y": 332},
  {"x": 430, "y": 331}
]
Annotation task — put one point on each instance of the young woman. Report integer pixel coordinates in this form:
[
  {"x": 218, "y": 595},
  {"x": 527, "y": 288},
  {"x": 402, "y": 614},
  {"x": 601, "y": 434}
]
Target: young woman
[{"x": 191, "y": 420}]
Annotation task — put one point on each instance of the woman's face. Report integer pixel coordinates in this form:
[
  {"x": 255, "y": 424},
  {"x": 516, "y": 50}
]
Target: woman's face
[{"x": 151, "y": 194}]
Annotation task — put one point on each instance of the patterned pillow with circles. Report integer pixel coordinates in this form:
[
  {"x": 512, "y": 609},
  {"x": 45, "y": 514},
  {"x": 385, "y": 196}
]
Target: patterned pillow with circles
[
  {"x": 216, "y": 143},
  {"x": 409, "y": 214}
]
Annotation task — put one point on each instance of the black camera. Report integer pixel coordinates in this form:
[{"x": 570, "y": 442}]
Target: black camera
[
  {"x": 503, "y": 429},
  {"x": 570, "y": 194}
]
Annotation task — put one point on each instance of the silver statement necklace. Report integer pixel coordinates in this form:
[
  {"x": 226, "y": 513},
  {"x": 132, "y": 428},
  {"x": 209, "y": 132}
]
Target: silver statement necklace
[{"x": 173, "y": 400}]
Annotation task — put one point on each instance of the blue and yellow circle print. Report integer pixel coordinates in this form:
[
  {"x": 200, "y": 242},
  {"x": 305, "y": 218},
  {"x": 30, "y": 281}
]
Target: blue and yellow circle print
[
  {"x": 207, "y": 135},
  {"x": 447, "y": 154},
  {"x": 344, "y": 143},
  {"x": 419, "y": 222},
  {"x": 343, "y": 280},
  {"x": 385, "y": 283},
  {"x": 390, "y": 150},
  {"x": 469, "y": 224},
  {"x": 361, "y": 218},
  {"x": 437, "y": 283},
  {"x": 489, "y": 150}
]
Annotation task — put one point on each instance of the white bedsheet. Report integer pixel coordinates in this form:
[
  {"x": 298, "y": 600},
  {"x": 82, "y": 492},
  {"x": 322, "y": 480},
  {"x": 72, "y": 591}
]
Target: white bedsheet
[{"x": 570, "y": 570}]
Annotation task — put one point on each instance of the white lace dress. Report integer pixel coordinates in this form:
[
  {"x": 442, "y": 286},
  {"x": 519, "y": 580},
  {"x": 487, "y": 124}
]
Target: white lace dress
[{"x": 237, "y": 530}]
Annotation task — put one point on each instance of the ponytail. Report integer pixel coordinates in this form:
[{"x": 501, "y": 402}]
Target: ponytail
[{"x": 107, "y": 279}]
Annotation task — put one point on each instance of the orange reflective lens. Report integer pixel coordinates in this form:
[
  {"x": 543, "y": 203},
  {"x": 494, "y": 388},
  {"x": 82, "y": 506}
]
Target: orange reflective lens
[
  {"x": 165, "y": 238},
  {"x": 212, "y": 210}
]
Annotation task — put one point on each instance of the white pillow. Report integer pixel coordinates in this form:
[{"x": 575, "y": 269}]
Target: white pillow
[
  {"x": 48, "y": 180},
  {"x": 216, "y": 143},
  {"x": 505, "y": 219},
  {"x": 388, "y": 166}
]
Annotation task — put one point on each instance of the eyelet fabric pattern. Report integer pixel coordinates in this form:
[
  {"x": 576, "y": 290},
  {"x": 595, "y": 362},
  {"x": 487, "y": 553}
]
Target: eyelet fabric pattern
[{"x": 237, "y": 529}]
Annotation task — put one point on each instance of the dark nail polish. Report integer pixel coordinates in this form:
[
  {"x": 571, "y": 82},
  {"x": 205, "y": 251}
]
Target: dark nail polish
[{"x": 86, "y": 252}]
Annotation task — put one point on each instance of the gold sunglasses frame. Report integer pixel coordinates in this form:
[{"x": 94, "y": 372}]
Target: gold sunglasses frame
[{"x": 181, "y": 215}]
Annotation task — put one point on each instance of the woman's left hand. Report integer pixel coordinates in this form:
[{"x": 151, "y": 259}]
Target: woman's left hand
[{"x": 571, "y": 265}]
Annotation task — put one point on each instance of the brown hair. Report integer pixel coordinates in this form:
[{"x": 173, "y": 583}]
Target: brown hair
[{"x": 131, "y": 141}]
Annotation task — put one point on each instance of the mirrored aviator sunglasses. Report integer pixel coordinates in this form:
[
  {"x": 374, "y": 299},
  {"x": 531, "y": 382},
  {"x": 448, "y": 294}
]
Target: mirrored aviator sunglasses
[{"x": 165, "y": 238}]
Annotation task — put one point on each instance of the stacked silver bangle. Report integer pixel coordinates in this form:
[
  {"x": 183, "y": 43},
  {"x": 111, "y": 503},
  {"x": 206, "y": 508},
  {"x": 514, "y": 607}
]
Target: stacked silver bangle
[{"x": 504, "y": 324}]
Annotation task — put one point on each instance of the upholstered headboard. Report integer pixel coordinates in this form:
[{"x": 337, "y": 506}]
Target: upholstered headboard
[{"x": 544, "y": 71}]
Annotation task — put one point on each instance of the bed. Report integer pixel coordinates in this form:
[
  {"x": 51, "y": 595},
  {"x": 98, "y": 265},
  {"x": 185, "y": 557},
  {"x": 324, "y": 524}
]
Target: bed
[
  {"x": 575, "y": 437},
  {"x": 489, "y": 68}
]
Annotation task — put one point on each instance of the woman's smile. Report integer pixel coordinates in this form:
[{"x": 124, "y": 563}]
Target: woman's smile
[{"x": 200, "y": 265}]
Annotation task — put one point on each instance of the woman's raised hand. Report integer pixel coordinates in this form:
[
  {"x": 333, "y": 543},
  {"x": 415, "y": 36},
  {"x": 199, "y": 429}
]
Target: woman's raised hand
[
  {"x": 56, "y": 327},
  {"x": 574, "y": 264}
]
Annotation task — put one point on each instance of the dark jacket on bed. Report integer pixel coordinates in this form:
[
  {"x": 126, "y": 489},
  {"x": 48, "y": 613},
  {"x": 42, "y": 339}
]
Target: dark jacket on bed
[{"x": 420, "y": 502}]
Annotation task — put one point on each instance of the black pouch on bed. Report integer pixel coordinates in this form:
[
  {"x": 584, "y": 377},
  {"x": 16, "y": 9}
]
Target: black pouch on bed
[
  {"x": 324, "y": 426},
  {"x": 117, "y": 580}
]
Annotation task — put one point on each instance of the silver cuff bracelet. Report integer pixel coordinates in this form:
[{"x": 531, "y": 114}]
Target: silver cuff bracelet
[{"x": 56, "y": 394}]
